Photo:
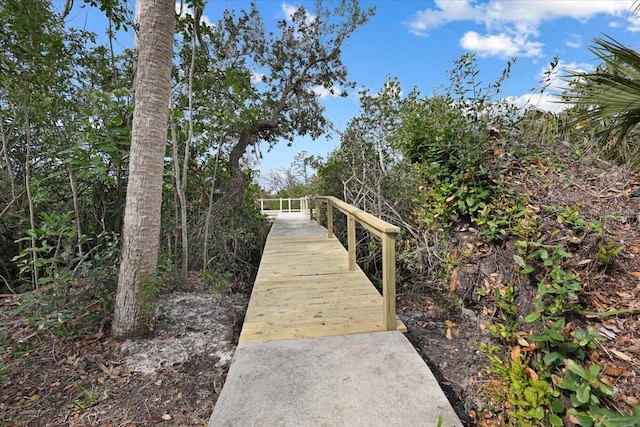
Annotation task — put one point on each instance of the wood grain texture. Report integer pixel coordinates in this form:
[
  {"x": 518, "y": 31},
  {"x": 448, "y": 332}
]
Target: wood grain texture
[{"x": 304, "y": 289}]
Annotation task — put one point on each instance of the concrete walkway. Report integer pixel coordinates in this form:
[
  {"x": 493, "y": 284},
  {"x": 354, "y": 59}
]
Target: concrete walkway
[{"x": 371, "y": 379}]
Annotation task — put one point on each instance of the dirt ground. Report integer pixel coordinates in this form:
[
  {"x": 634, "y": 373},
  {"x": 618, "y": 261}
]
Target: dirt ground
[
  {"x": 175, "y": 377},
  {"x": 449, "y": 343}
]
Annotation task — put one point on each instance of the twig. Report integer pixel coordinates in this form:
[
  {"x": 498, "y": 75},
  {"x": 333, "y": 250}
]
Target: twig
[
  {"x": 609, "y": 313},
  {"x": 6, "y": 283}
]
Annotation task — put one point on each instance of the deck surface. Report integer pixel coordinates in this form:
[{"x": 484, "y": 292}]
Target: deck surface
[{"x": 304, "y": 288}]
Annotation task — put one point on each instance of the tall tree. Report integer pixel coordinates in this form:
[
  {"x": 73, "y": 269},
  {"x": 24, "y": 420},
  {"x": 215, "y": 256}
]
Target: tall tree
[
  {"x": 135, "y": 297},
  {"x": 272, "y": 81}
]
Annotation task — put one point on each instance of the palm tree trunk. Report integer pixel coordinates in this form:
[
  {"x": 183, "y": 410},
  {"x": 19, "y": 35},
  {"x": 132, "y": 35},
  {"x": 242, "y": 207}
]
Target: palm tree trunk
[{"x": 137, "y": 290}]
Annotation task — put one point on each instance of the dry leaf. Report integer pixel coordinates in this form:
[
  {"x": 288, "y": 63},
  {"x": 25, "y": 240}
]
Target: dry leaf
[
  {"x": 458, "y": 332},
  {"x": 600, "y": 297},
  {"x": 515, "y": 354},
  {"x": 581, "y": 125},
  {"x": 449, "y": 324},
  {"x": 614, "y": 371},
  {"x": 621, "y": 355},
  {"x": 531, "y": 373},
  {"x": 623, "y": 339},
  {"x": 166, "y": 417},
  {"x": 448, "y": 334},
  {"x": 636, "y": 273},
  {"x": 454, "y": 281},
  {"x": 523, "y": 342},
  {"x": 584, "y": 261},
  {"x": 635, "y": 249}
]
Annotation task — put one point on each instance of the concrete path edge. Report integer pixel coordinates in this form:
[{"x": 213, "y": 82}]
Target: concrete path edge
[{"x": 374, "y": 379}]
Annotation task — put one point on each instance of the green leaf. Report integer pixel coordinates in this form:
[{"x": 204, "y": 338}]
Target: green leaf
[
  {"x": 532, "y": 317},
  {"x": 539, "y": 337},
  {"x": 583, "y": 393},
  {"x": 555, "y": 335},
  {"x": 557, "y": 406},
  {"x": 520, "y": 261},
  {"x": 553, "y": 358},
  {"x": 555, "y": 420}
]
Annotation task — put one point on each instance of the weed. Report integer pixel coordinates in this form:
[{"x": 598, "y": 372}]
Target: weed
[
  {"x": 217, "y": 280},
  {"x": 607, "y": 251},
  {"x": 89, "y": 397}
]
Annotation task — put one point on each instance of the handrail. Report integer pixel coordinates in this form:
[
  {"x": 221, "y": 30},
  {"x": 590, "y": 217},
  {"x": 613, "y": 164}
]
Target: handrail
[
  {"x": 385, "y": 231},
  {"x": 303, "y": 204}
]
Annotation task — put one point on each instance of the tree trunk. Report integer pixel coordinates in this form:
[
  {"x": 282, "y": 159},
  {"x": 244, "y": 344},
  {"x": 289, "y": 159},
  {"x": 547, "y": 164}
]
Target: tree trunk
[
  {"x": 207, "y": 222},
  {"x": 27, "y": 185},
  {"x": 238, "y": 182},
  {"x": 182, "y": 197},
  {"x": 135, "y": 297}
]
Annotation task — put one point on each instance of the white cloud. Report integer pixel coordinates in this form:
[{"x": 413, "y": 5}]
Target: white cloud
[
  {"x": 502, "y": 44},
  {"x": 540, "y": 101},
  {"x": 257, "y": 77},
  {"x": 555, "y": 83},
  {"x": 555, "y": 79},
  {"x": 498, "y": 13},
  {"x": 289, "y": 10},
  {"x": 183, "y": 10},
  {"x": 512, "y": 25},
  {"x": 323, "y": 92},
  {"x": 574, "y": 41},
  {"x": 634, "y": 24},
  {"x": 449, "y": 11}
]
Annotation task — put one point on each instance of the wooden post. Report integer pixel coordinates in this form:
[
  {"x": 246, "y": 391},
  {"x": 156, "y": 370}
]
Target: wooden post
[
  {"x": 351, "y": 241},
  {"x": 389, "y": 281},
  {"x": 329, "y": 219},
  {"x": 317, "y": 212},
  {"x": 281, "y": 204}
]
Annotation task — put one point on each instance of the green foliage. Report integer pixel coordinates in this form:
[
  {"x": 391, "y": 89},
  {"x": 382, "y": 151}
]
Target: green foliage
[
  {"x": 89, "y": 396},
  {"x": 610, "y": 96},
  {"x": 527, "y": 398},
  {"x": 607, "y": 251},
  {"x": 586, "y": 392},
  {"x": 217, "y": 280},
  {"x": 57, "y": 239},
  {"x": 447, "y": 135}
]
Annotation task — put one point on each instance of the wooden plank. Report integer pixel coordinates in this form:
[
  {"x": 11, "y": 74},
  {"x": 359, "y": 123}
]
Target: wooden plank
[{"x": 304, "y": 288}]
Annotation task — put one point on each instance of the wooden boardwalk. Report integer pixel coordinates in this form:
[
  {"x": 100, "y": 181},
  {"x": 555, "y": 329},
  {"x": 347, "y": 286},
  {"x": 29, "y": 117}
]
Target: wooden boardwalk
[{"x": 304, "y": 288}]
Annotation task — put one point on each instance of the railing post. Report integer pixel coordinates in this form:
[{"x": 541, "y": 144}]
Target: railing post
[
  {"x": 351, "y": 241},
  {"x": 280, "y": 204},
  {"x": 317, "y": 212},
  {"x": 329, "y": 219},
  {"x": 389, "y": 280}
]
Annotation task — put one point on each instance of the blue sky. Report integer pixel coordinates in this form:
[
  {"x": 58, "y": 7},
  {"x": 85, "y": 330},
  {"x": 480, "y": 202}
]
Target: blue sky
[{"x": 417, "y": 41}]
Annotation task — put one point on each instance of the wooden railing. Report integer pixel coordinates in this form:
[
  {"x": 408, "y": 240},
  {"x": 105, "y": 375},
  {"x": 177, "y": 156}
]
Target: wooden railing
[
  {"x": 385, "y": 231},
  {"x": 291, "y": 204}
]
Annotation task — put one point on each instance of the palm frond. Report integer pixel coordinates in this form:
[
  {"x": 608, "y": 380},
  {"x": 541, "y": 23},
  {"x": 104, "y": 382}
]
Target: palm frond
[{"x": 611, "y": 94}]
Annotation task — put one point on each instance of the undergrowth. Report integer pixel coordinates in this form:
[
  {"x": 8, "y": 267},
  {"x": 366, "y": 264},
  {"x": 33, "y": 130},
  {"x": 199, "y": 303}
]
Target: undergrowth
[{"x": 540, "y": 371}]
